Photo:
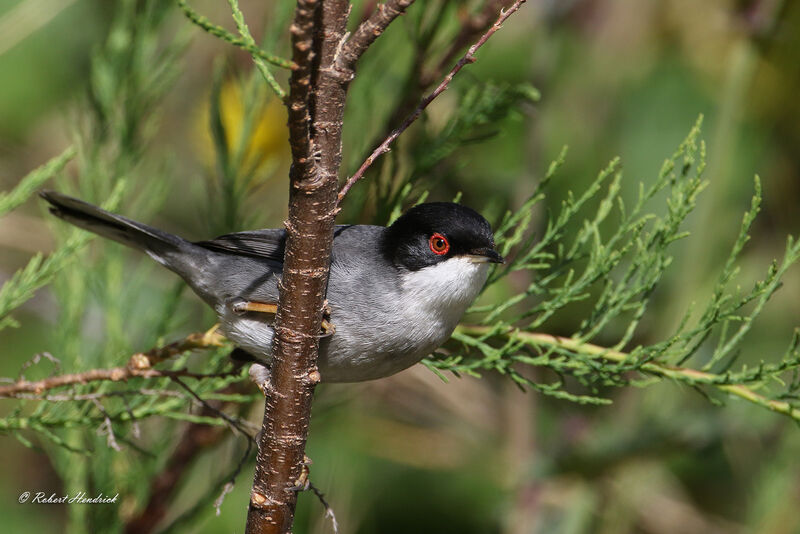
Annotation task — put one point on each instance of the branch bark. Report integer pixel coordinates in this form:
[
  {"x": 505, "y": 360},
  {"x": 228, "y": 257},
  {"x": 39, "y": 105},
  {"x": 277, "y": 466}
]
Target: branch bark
[
  {"x": 367, "y": 32},
  {"x": 324, "y": 66},
  {"x": 316, "y": 106}
]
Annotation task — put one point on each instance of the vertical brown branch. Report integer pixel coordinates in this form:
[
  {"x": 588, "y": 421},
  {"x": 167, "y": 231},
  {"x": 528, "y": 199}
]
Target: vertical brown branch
[
  {"x": 316, "y": 105},
  {"x": 302, "y": 31},
  {"x": 318, "y": 88}
]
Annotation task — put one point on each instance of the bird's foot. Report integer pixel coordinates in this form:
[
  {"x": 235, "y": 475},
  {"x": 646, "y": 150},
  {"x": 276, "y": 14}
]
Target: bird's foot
[
  {"x": 262, "y": 377},
  {"x": 328, "y": 329},
  {"x": 303, "y": 482}
]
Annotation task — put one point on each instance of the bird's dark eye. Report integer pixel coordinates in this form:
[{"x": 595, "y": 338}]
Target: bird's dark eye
[{"x": 439, "y": 244}]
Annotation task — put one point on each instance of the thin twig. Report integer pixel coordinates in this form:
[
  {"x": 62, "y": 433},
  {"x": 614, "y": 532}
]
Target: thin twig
[
  {"x": 236, "y": 424},
  {"x": 198, "y": 340},
  {"x": 64, "y": 397},
  {"x": 469, "y": 57},
  {"x": 226, "y": 489},
  {"x": 328, "y": 510},
  {"x": 114, "y": 374},
  {"x": 38, "y": 357},
  {"x": 471, "y": 29},
  {"x": 107, "y": 428},
  {"x": 418, "y": 79},
  {"x": 139, "y": 366},
  {"x": 137, "y": 392}
]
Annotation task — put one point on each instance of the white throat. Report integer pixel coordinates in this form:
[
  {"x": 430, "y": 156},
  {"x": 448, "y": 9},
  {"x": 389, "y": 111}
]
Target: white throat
[{"x": 437, "y": 296}]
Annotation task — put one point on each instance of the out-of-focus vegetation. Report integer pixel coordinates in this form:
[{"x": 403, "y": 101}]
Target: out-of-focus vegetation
[{"x": 186, "y": 135}]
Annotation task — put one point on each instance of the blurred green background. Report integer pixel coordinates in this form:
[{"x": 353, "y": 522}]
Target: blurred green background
[{"x": 410, "y": 453}]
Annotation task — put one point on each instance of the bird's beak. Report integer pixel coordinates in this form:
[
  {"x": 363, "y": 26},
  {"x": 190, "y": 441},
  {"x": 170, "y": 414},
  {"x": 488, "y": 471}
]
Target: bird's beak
[{"x": 485, "y": 255}]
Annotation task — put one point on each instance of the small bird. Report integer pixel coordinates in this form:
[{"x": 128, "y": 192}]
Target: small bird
[{"x": 395, "y": 293}]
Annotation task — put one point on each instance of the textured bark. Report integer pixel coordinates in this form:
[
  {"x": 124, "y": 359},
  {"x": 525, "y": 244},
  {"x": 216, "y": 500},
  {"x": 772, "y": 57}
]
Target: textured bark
[
  {"x": 324, "y": 65},
  {"x": 316, "y": 105}
]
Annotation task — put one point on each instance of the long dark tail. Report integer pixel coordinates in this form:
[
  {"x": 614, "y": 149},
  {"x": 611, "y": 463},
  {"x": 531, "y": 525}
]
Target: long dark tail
[{"x": 174, "y": 252}]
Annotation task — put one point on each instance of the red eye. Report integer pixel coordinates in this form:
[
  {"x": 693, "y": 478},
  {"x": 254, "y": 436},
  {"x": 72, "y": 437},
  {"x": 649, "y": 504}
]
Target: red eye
[{"x": 439, "y": 244}]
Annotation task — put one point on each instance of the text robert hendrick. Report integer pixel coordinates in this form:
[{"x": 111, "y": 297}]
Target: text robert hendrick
[{"x": 81, "y": 497}]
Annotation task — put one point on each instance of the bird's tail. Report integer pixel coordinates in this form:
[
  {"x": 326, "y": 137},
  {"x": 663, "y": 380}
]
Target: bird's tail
[{"x": 172, "y": 251}]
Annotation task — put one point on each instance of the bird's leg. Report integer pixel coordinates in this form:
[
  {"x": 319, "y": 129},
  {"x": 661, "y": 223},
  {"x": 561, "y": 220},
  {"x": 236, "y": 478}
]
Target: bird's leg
[{"x": 242, "y": 306}]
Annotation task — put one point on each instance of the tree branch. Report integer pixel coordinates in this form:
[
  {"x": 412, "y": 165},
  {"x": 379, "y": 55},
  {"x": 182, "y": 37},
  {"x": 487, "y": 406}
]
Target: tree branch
[
  {"x": 315, "y": 122},
  {"x": 139, "y": 366},
  {"x": 366, "y": 33},
  {"x": 689, "y": 376},
  {"x": 324, "y": 66},
  {"x": 302, "y": 30},
  {"x": 469, "y": 57}
]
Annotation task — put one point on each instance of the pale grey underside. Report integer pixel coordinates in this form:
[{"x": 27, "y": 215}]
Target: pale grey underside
[{"x": 386, "y": 320}]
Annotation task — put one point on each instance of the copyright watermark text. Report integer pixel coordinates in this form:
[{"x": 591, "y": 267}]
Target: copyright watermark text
[{"x": 81, "y": 497}]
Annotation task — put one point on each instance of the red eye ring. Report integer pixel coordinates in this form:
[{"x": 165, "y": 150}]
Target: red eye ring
[{"x": 439, "y": 244}]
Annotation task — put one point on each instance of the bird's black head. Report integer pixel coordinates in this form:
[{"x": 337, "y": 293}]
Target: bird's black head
[{"x": 431, "y": 233}]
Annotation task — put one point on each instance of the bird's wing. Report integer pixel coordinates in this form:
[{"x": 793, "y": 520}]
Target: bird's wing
[
  {"x": 271, "y": 243},
  {"x": 268, "y": 244}
]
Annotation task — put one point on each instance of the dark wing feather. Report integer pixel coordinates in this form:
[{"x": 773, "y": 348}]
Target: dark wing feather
[
  {"x": 271, "y": 243},
  {"x": 268, "y": 244}
]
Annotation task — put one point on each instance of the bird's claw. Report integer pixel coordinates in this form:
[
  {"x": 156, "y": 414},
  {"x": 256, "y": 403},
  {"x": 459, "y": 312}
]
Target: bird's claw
[
  {"x": 303, "y": 482},
  {"x": 262, "y": 376},
  {"x": 328, "y": 328}
]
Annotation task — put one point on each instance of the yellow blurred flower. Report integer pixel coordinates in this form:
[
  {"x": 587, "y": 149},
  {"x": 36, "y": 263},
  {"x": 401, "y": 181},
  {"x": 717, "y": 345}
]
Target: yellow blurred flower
[{"x": 261, "y": 145}]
